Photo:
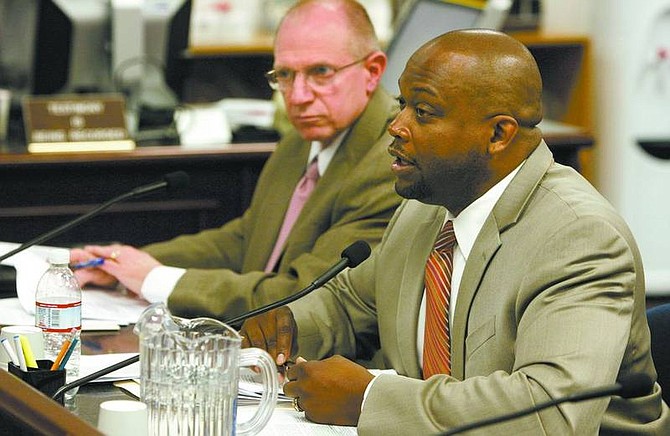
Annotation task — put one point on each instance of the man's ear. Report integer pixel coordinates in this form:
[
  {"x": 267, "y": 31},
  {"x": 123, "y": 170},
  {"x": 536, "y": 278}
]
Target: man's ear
[
  {"x": 376, "y": 65},
  {"x": 504, "y": 129}
]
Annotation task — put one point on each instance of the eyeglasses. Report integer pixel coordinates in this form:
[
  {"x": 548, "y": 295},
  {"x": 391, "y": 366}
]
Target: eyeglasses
[{"x": 318, "y": 76}]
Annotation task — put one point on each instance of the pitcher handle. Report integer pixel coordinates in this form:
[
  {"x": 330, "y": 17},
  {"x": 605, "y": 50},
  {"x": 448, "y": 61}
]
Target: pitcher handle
[{"x": 268, "y": 370}]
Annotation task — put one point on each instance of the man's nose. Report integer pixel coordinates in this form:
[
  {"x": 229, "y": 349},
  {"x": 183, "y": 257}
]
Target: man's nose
[
  {"x": 397, "y": 127},
  {"x": 300, "y": 91}
]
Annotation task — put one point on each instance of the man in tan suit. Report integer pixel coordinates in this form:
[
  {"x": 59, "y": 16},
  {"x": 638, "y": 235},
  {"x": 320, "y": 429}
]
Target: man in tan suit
[
  {"x": 328, "y": 65},
  {"x": 547, "y": 291}
]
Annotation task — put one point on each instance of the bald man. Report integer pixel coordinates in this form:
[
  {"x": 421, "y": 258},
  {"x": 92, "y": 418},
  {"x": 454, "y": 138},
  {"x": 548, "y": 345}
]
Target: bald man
[{"x": 546, "y": 289}]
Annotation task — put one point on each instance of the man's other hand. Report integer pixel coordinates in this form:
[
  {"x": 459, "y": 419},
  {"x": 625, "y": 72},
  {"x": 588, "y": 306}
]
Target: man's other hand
[{"x": 274, "y": 331}]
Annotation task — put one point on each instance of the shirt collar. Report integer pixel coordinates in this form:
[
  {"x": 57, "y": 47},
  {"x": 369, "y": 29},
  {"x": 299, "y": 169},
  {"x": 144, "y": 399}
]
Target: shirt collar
[
  {"x": 326, "y": 154},
  {"x": 470, "y": 221}
]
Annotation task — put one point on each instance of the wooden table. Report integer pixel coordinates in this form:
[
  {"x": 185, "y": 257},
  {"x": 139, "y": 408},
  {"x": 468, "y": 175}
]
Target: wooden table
[{"x": 43, "y": 191}]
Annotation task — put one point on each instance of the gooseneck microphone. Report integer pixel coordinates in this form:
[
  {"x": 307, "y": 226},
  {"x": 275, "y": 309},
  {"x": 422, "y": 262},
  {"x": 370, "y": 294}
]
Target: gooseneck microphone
[
  {"x": 631, "y": 386},
  {"x": 352, "y": 256},
  {"x": 172, "y": 181},
  {"x": 83, "y": 380}
]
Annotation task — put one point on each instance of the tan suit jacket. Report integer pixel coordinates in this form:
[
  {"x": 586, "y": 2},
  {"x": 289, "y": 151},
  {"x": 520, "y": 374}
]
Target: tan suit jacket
[
  {"x": 551, "y": 302},
  {"x": 353, "y": 200}
]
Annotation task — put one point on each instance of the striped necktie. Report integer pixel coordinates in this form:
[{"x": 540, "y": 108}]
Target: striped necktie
[
  {"x": 436, "y": 346},
  {"x": 301, "y": 193}
]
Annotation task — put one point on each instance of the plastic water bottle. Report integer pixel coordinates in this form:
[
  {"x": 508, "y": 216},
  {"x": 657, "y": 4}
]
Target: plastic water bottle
[{"x": 58, "y": 311}]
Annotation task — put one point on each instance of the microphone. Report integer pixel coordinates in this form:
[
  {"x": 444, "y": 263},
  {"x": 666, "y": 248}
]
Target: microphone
[
  {"x": 630, "y": 386},
  {"x": 352, "y": 256},
  {"x": 82, "y": 381},
  {"x": 171, "y": 181}
]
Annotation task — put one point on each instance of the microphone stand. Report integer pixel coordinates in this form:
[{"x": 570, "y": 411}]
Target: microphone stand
[
  {"x": 352, "y": 256},
  {"x": 320, "y": 281},
  {"x": 630, "y": 386},
  {"x": 93, "y": 376},
  {"x": 177, "y": 179},
  {"x": 67, "y": 226}
]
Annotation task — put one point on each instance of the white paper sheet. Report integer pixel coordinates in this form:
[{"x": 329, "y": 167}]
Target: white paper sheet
[
  {"x": 111, "y": 305},
  {"x": 286, "y": 420}
]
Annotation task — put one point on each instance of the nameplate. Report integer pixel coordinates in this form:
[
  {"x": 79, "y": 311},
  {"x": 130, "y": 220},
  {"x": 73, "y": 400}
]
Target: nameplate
[{"x": 76, "y": 123}]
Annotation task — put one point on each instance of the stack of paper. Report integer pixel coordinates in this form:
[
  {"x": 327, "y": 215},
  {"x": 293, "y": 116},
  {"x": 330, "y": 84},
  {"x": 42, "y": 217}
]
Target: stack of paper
[{"x": 251, "y": 389}]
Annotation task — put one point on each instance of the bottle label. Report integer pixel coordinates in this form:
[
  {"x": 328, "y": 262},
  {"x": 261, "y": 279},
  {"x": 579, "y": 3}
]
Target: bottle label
[{"x": 58, "y": 318}]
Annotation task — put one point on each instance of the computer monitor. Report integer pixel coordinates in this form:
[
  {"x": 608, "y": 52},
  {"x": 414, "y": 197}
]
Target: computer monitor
[
  {"x": 422, "y": 20},
  {"x": 54, "y": 46},
  {"x": 149, "y": 38},
  {"x": 67, "y": 47},
  {"x": 147, "y": 45}
]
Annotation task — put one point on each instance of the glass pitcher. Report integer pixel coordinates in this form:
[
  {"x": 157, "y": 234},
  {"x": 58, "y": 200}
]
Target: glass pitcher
[{"x": 189, "y": 375}]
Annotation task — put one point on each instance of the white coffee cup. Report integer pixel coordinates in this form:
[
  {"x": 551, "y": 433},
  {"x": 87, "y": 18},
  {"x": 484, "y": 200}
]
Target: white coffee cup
[
  {"x": 33, "y": 334},
  {"x": 122, "y": 418}
]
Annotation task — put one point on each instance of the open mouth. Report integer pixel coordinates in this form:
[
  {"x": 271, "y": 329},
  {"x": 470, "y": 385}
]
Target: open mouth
[
  {"x": 401, "y": 162},
  {"x": 400, "y": 159}
]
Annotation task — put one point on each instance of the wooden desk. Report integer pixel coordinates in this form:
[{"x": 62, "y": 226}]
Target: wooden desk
[{"x": 40, "y": 192}]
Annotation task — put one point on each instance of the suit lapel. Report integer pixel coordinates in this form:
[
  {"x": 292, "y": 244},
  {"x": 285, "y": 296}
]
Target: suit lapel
[
  {"x": 505, "y": 213},
  {"x": 483, "y": 250}
]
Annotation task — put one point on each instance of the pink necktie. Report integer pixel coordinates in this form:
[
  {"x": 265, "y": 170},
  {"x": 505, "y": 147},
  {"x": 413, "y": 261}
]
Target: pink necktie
[
  {"x": 436, "y": 346},
  {"x": 302, "y": 191}
]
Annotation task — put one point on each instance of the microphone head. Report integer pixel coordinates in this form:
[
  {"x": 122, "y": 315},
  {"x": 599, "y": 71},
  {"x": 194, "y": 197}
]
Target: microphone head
[
  {"x": 356, "y": 253},
  {"x": 635, "y": 385},
  {"x": 177, "y": 180}
]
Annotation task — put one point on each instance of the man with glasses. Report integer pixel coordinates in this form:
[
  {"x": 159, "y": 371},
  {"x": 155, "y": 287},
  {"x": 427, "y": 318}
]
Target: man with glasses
[{"x": 327, "y": 67}]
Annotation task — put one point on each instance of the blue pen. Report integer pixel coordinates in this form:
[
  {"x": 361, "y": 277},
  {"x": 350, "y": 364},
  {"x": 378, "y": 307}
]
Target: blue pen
[
  {"x": 68, "y": 353},
  {"x": 89, "y": 263}
]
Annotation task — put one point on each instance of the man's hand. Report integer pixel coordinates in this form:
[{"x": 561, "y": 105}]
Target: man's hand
[
  {"x": 329, "y": 391},
  {"x": 275, "y": 332},
  {"x": 123, "y": 263},
  {"x": 90, "y": 276}
]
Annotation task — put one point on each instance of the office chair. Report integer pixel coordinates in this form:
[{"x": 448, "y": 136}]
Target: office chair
[{"x": 658, "y": 318}]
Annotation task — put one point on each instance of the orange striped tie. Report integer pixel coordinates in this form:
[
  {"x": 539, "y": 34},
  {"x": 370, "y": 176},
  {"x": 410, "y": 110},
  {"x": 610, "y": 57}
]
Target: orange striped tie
[{"x": 436, "y": 347}]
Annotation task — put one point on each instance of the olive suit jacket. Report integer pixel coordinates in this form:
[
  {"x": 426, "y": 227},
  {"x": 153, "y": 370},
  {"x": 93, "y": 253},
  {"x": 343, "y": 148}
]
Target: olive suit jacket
[
  {"x": 551, "y": 302},
  {"x": 353, "y": 200}
]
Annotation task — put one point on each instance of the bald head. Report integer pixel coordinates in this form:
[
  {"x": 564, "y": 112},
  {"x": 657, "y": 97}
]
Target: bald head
[
  {"x": 348, "y": 17},
  {"x": 497, "y": 72},
  {"x": 472, "y": 102}
]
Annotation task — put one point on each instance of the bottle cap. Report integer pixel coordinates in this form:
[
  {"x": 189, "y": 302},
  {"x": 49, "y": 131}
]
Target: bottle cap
[{"x": 59, "y": 256}]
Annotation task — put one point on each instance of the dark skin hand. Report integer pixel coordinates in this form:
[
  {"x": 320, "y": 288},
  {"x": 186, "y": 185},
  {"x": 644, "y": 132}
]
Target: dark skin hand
[
  {"x": 330, "y": 391},
  {"x": 274, "y": 331}
]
